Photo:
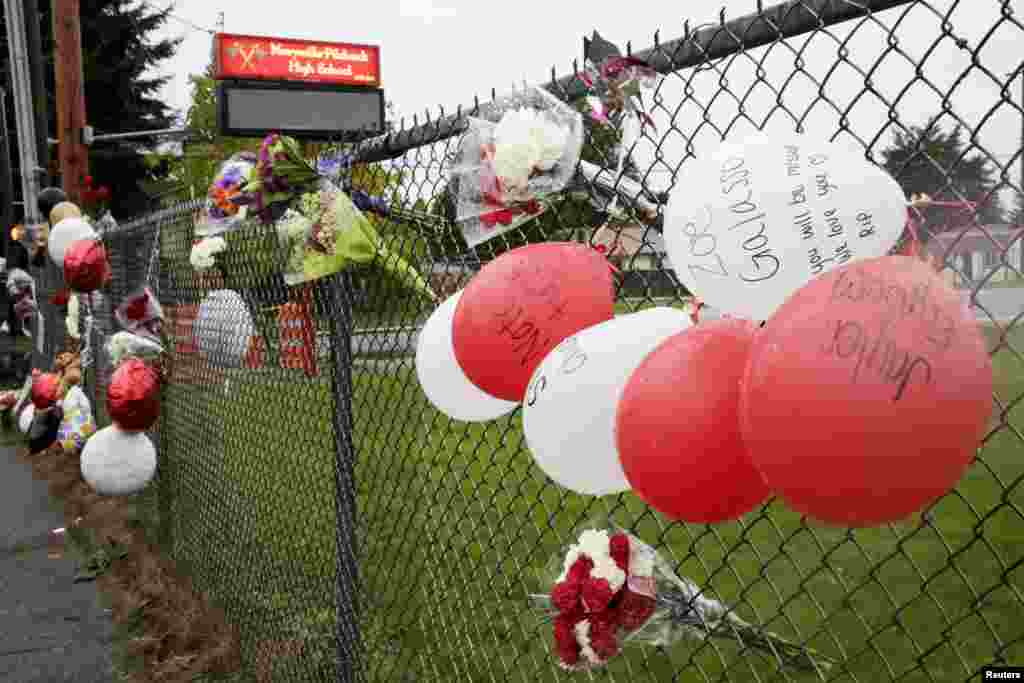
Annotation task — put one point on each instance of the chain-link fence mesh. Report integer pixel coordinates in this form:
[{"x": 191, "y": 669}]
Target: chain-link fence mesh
[{"x": 354, "y": 533}]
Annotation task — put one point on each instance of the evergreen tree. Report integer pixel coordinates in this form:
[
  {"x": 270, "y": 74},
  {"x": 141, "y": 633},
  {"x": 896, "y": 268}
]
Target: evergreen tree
[
  {"x": 119, "y": 56},
  {"x": 942, "y": 165}
]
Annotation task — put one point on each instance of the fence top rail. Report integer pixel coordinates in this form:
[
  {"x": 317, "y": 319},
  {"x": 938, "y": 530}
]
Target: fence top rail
[{"x": 762, "y": 27}]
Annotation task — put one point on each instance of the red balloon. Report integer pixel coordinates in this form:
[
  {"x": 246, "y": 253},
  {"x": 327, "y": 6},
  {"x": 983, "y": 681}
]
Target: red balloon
[
  {"x": 133, "y": 397},
  {"x": 523, "y": 304},
  {"x": 867, "y": 393},
  {"x": 677, "y": 428},
  {"x": 86, "y": 268},
  {"x": 45, "y": 390}
]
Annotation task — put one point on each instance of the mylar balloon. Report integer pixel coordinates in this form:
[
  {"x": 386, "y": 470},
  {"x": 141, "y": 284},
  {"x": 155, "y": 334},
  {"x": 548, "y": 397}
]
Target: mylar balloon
[
  {"x": 45, "y": 390},
  {"x": 64, "y": 233},
  {"x": 755, "y": 222},
  {"x": 133, "y": 397},
  {"x": 867, "y": 393},
  {"x": 86, "y": 268},
  {"x": 441, "y": 378},
  {"x": 521, "y": 305},
  {"x": 678, "y": 429},
  {"x": 223, "y": 328},
  {"x": 569, "y": 411},
  {"x": 118, "y": 463}
]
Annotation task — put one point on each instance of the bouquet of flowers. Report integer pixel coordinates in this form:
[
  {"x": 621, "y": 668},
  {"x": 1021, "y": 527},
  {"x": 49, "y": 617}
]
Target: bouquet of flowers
[
  {"x": 327, "y": 232},
  {"x": 227, "y": 202},
  {"x": 612, "y": 589},
  {"x": 21, "y": 289},
  {"x": 141, "y": 314},
  {"x": 281, "y": 173},
  {"x": 615, "y": 83},
  {"x": 510, "y": 163}
]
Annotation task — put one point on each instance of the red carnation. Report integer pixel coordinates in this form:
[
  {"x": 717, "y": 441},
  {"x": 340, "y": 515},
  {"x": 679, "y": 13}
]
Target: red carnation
[
  {"x": 103, "y": 194},
  {"x": 618, "y": 548},
  {"x": 604, "y": 639},
  {"x": 565, "y": 596},
  {"x": 580, "y": 569},
  {"x": 566, "y": 646},
  {"x": 136, "y": 310},
  {"x": 633, "y": 609},
  {"x": 596, "y": 595}
]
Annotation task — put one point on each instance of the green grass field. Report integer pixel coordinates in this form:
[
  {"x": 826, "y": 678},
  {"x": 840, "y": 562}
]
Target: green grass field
[{"x": 456, "y": 522}]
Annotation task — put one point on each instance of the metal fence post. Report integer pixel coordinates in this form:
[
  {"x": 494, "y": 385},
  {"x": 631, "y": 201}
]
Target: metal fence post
[{"x": 347, "y": 637}]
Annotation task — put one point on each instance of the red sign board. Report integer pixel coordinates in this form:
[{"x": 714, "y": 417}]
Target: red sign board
[{"x": 282, "y": 59}]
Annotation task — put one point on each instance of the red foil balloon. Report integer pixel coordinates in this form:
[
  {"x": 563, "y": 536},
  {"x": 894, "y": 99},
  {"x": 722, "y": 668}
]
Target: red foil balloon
[
  {"x": 867, "y": 393},
  {"x": 523, "y": 304},
  {"x": 678, "y": 431},
  {"x": 86, "y": 268},
  {"x": 45, "y": 390},
  {"x": 133, "y": 397}
]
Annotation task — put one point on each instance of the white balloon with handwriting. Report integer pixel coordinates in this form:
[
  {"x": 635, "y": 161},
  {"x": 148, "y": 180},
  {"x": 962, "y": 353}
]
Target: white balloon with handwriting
[
  {"x": 573, "y": 395},
  {"x": 441, "y": 377},
  {"x": 752, "y": 223}
]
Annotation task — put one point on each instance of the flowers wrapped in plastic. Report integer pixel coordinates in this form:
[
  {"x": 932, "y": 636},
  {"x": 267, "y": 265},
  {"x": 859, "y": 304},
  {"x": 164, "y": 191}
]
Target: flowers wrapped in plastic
[
  {"x": 21, "y": 290},
  {"x": 281, "y": 173},
  {"x": 610, "y": 589},
  {"x": 327, "y": 231},
  {"x": 616, "y": 83},
  {"x": 141, "y": 314},
  {"x": 510, "y": 163},
  {"x": 124, "y": 345},
  {"x": 227, "y": 203}
]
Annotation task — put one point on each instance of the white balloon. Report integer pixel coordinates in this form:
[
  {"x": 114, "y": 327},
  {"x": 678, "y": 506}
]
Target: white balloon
[
  {"x": 441, "y": 377},
  {"x": 224, "y": 328},
  {"x": 573, "y": 395},
  {"x": 25, "y": 420},
  {"x": 755, "y": 222},
  {"x": 118, "y": 463},
  {"x": 64, "y": 234}
]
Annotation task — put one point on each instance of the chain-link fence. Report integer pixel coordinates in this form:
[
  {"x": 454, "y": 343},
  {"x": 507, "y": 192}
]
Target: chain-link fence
[{"x": 354, "y": 533}]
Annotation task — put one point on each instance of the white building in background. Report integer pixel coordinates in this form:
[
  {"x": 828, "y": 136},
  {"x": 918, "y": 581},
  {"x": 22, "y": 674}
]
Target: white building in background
[{"x": 973, "y": 254}]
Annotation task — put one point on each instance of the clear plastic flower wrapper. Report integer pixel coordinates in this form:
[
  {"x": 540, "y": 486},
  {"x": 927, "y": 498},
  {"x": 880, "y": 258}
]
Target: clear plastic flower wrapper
[
  {"x": 609, "y": 589},
  {"x": 227, "y": 202},
  {"x": 124, "y": 345},
  {"x": 141, "y": 314},
  {"x": 509, "y": 163}
]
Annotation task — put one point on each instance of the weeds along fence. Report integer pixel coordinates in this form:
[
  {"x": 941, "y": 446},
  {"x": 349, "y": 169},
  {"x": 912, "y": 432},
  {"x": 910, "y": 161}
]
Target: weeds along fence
[{"x": 355, "y": 534}]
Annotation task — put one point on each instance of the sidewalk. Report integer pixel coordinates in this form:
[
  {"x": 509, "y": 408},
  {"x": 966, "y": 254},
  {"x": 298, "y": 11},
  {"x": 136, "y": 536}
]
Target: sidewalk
[{"x": 50, "y": 628}]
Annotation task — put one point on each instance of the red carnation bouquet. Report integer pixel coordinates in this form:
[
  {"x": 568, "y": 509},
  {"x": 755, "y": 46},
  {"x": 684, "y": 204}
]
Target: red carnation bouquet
[{"x": 612, "y": 589}]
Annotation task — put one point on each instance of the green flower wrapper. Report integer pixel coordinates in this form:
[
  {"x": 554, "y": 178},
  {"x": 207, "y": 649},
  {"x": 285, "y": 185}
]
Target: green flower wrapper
[{"x": 328, "y": 232}]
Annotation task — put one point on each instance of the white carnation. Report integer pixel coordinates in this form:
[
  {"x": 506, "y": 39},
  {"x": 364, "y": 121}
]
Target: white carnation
[
  {"x": 525, "y": 140},
  {"x": 605, "y": 568},
  {"x": 202, "y": 257}
]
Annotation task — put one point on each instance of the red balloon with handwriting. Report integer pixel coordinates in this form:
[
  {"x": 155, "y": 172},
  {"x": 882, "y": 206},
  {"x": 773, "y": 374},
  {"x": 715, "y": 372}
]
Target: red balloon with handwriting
[
  {"x": 867, "y": 393},
  {"x": 523, "y": 304},
  {"x": 678, "y": 431}
]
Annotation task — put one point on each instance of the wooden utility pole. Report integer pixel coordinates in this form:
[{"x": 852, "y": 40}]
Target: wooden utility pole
[{"x": 67, "y": 38}]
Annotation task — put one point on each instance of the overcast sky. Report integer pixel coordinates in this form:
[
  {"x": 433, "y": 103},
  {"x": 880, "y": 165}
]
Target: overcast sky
[{"x": 443, "y": 52}]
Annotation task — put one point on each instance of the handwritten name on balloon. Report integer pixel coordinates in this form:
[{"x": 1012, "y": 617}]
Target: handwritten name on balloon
[
  {"x": 747, "y": 213},
  {"x": 913, "y": 304},
  {"x": 878, "y": 355},
  {"x": 572, "y": 358},
  {"x": 518, "y": 322}
]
